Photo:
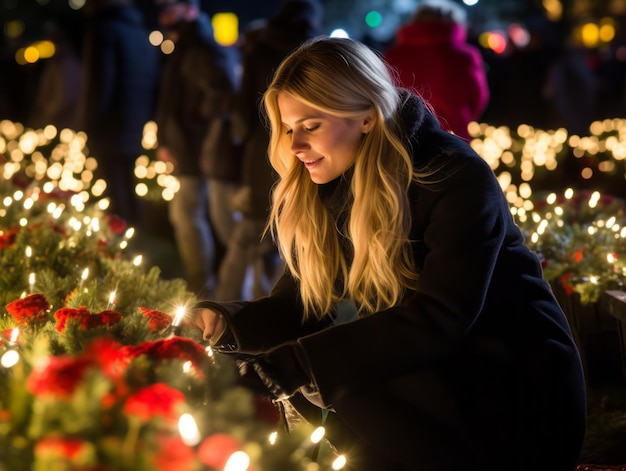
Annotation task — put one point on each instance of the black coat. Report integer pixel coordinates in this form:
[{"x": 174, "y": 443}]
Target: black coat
[
  {"x": 120, "y": 81},
  {"x": 262, "y": 51},
  {"x": 475, "y": 370},
  {"x": 195, "y": 99}
]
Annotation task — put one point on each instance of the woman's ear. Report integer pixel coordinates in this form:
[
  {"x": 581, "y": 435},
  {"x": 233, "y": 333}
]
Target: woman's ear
[{"x": 368, "y": 122}]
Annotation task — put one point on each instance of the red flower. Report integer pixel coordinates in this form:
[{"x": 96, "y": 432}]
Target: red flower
[
  {"x": 74, "y": 450},
  {"x": 156, "y": 400},
  {"x": 567, "y": 286},
  {"x": 156, "y": 319},
  {"x": 31, "y": 309},
  {"x": 85, "y": 319},
  {"x": 57, "y": 376},
  {"x": 66, "y": 314},
  {"x": 173, "y": 454},
  {"x": 170, "y": 349},
  {"x": 215, "y": 450},
  {"x": 578, "y": 255},
  {"x": 116, "y": 223},
  {"x": 106, "y": 317},
  {"x": 109, "y": 356},
  {"x": 7, "y": 238}
]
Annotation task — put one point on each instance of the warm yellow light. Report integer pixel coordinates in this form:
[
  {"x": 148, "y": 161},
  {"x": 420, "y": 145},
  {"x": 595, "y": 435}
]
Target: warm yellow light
[
  {"x": 238, "y": 461},
  {"x": 188, "y": 430},
  {"x": 45, "y": 48},
  {"x": 590, "y": 34},
  {"x": 225, "y": 28}
]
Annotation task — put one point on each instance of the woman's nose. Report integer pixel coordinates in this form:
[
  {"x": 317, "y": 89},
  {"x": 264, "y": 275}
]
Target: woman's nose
[{"x": 299, "y": 142}]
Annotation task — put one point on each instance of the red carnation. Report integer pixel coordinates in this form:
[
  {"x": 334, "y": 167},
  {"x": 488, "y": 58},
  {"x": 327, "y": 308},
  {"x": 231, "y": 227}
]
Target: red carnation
[
  {"x": 116, "y": 223},
  {"x": 173, "y": 454},
  {"x": 215, "y": 450},
  {"x": 67, "y": 314},
  {"x": 109, "y": 355},
  {"x": 74, "y": 450},
  {"x": 170, "y": 349},
  {"x": 156, "y": 400},
  {"x": 567, "y": 285},
  {"x": 578, "y": 255},
  {"x": 106, "y": 317},
  {"x": 57, "y": 376},
  {"x": 31, "y": 309},
  {"x": 84, "y": 318},
  {"x": 7, "y": 238},
  {"x": 156, "y": 319}
]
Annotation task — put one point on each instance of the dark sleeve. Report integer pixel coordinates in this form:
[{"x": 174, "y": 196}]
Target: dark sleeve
[
  {"x": 257, "y": 326},
  {"x": 468, "y": 219}
]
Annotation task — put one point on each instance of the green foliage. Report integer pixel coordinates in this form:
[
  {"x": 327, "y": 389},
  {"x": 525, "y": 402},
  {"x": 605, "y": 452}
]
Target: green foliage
[{"x": 581, "y": 240}]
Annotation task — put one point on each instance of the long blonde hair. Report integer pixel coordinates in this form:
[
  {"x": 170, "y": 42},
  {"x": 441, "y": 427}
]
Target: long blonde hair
[{"x": 346, "y": 79}]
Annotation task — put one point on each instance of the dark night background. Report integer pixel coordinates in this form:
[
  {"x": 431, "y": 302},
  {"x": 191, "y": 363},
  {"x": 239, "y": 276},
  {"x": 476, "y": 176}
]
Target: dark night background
[{"x": 517, "y": 77}]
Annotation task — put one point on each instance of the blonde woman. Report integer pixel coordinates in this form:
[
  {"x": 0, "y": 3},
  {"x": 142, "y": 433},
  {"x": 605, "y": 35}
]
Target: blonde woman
[{"x": 411, "y": 319}]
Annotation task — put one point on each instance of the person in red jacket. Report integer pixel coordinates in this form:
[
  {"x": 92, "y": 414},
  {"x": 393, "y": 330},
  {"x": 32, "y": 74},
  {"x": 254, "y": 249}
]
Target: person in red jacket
[{"x": 432, "y": 57}]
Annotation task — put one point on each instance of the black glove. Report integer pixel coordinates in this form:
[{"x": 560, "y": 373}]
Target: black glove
[{"x": 281, "y": 370}]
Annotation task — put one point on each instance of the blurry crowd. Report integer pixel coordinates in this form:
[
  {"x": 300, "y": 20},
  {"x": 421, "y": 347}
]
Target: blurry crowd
[{"x": 205, "y": 100}]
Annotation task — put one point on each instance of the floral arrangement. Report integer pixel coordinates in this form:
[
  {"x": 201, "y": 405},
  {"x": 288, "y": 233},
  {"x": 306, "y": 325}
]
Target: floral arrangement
[
  {"x": 581, "y": 240},
  {"x": 98, "y": 368}
]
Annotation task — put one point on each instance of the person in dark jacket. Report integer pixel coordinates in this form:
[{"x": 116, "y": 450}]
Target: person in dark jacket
[
  {"x": 411, "y": 320},
  {"x": 119, "y": 85},
  {"x": 432, "y": 56},
  {"x": 194, "y": 133},
  {"x": 263, "y": 48}
]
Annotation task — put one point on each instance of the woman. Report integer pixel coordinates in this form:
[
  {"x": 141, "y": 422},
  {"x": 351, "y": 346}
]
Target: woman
[{"x": 411, "y": 318}]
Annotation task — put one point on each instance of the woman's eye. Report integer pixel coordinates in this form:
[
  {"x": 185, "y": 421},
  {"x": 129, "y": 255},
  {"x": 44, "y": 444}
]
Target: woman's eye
[{"x": 312, "y": 128}]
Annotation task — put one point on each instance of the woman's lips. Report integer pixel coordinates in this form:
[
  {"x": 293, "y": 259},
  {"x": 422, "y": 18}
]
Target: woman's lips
[{"x": 311, "y": 163}]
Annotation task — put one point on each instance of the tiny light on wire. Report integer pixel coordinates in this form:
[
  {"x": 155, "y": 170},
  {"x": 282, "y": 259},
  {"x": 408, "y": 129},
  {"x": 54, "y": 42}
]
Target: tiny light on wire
[
  {"x": 339, "y": 462},
  {"x": 111, "y": 300},
  {"x": 14, "y": 335},
  {"x": 10, "y": 358},
  {"x": 318, "y": 434},
  {"x": 178, "y": 318}
]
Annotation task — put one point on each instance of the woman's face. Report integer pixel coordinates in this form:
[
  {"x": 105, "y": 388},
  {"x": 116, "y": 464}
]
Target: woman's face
[{"x": 325, "y": 144}]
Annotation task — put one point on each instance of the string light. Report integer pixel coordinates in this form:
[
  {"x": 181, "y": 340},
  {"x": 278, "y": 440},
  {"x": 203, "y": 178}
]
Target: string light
[
  {"x": 111, "y": 300},
  {"x": 238, "y": 461},
  {"x": 180, "y": 313},
  {"x": 188, "y": 430}
]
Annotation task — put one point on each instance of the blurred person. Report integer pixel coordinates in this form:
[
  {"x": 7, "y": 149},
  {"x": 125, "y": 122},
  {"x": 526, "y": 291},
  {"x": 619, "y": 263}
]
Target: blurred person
[
  {"x": 431, "y": 56},
  {"x": 59, "y": 84},
  {"x": 572, "y": 87},
  {"x": 263, "y": 48},
  {"x": 194, "y": 133},
  {"x": 119, "y": 84}
]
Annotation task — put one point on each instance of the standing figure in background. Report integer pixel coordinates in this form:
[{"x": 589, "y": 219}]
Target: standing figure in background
[
  {"x": 433, "y": 58},
  {"x": 59, "y": 84},
  {"x": 193, "y": 118},
  {"x": 120, "y": 81},
  {"x": 263, "y": 49}
]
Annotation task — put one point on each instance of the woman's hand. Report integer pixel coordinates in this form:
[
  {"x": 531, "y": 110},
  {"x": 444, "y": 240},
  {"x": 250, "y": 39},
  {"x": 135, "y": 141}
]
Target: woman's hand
[{"x": 210, "y": 322}]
